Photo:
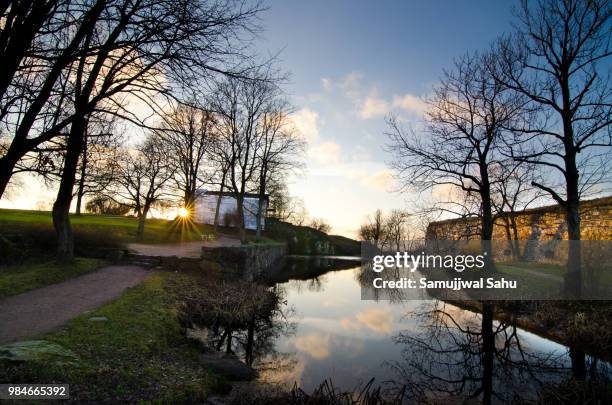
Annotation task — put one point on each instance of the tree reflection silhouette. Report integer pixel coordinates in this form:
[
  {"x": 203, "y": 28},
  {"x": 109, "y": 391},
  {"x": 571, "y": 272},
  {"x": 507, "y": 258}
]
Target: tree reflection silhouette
[{"x": 459, "y": 354}]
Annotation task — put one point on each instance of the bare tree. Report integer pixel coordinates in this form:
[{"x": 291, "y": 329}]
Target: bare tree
[
  {"x": 142, "y": 49},
  {"x": 187, "y": 132},
  {"x": 240, "y": 106},
  {"x": 373, "y": 230},
  {"x": 144, "y": 174},
  {"x": 98, "y": 161},
  {"x": 468, "y": 112},
  {"x": 463, "y": 354},
  {"x": 320, "y": 224},
  {"x": 22, "y": 22},
  {"x": 36, "y": 106},
  {"x": 279, "y": 148},
  {"x": 286, "y": 207},
  {"x": 558, "y": 59},
  {"x": 395, "y": 229},
  {"x": 512, "y": 194}
]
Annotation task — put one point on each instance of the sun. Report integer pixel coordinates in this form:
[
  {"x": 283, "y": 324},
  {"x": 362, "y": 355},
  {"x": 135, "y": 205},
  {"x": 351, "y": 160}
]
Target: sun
[{"x": 183, "y": 213}]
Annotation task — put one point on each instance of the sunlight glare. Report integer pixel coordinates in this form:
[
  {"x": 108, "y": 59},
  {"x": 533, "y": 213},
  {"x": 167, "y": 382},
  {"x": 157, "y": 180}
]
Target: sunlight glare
[{"x": 183, "y": 213}]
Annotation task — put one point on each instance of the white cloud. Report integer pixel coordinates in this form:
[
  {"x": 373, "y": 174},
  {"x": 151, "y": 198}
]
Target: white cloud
[
  {"x": 327, "y": 152},
  {"x": 352, "y": 86},
  {"x": 409, "y": 103},
  {"x": 368, "y": 103},
  {"x": 373, "y": 107},
  {"x": 306, "y": 122},
  {"x": 376, "y": 320},
  {"x": 326, "y": 83},
  {"x": 360, "y": 154},
  {"x": 381, "y": 180},
  {"x": 447, "y": 193},
  {"x": 316, "y": 345}
]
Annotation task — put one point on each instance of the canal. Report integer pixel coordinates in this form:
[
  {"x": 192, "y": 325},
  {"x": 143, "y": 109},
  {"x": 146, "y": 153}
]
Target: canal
[{"x": 425, "y": 348}]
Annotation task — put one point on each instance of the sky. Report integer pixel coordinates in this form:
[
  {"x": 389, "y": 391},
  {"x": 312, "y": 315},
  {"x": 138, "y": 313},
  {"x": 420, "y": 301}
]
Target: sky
[{"x": 351, "y": 64}]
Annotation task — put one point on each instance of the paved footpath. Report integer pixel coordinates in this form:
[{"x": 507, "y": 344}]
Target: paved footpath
[
  {"x": 182, "y": 249},
  {"x": 47, "y": 308}
]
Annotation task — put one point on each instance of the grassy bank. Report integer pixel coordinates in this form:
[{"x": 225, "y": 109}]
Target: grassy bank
[
  {"x": 124, "y": 228},
  {"x": 303, "y": 240},
  {"x": 134, "y": 351},
  {"x": 30, "y": 233},
  {"x": 33, "y": 231},
  {"x": 15, "y": 279}
]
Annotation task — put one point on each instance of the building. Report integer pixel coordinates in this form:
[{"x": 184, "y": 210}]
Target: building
[
  {"x": 541, "y": 223},
  {"x": 206, "y": 208}
]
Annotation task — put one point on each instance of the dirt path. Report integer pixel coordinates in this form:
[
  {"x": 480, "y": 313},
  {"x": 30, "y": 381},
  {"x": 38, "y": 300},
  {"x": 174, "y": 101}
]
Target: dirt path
[
  {"x": 184, "y": 249},
  {"x": 45, "y": 309}
]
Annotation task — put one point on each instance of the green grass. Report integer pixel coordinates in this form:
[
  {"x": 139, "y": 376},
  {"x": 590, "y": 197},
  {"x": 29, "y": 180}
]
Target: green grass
[
  {"x": 556, "y": 270},
  {"x": 548, "y": 268},
  {"x": 530, "y": 285},
  {"x": 16, "y": 279},
  {"x": 139, "y": 353},
  {"x": 263, "y": 240},
  {"x": 123, "y": 229},
  {"x": 304, "y": 240}
]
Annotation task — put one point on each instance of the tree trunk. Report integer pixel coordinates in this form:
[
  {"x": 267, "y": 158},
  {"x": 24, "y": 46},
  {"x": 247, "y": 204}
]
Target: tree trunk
[
  {"x": 486, "y": 225},
  {"x": 248, "y": 358},
  {"x": 512, "y": 234},
  {"x": 7, "y": 164},
  {"x": 262, "y": 193},
  {"x": 20, "y": 145},
  {"x": 216, "y": 223},
  {"x": 488, "y": 352},
  {"x": 189, "y": 199},
  {"x": 141, "y": 221},
  {"x": 26, "y": 25},
  {"x": 509, "y": 236},
  {"x": 573, "y": 277},
  {"x": 241, "y": 222},
  {"x": 517, "y": 247},
  {"x": 81, "y": 189},
  {"x": 228, "y": 347},
  {"x": 578, "y": 359},
  {"x": 61, "y": 207}
]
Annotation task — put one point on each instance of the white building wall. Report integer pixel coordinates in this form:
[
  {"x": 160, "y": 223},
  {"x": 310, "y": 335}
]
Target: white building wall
[{"x": 206, "y": 204}]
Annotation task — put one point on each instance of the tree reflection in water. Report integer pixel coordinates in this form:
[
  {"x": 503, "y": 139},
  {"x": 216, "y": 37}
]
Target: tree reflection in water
[
  {"x": 239, "y": 317},
  {"x": 460, "y": 354}
]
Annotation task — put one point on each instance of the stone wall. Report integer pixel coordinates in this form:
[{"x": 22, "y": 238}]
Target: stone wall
[
  {"x": 250, "y": 262},
  {"x": 542, "y": 223}
]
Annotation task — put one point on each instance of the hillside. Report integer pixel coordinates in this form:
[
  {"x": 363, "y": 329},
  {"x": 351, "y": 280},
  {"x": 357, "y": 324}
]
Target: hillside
[{"x": 304, "y": 240}]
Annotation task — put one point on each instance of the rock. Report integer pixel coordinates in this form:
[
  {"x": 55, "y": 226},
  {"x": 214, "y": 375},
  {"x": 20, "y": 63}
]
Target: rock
[
  {"x": 98, "y": 319},
  {"x": 228, "y": 366},
  {"x": 37, "y": 350}
]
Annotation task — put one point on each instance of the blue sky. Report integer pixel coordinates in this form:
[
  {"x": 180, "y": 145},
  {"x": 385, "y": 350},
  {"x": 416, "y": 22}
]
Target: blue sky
[{"x": 351, "y": 64}]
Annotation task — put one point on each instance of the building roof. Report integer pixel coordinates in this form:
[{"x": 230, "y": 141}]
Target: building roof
[{"x": 233, "y": 195}]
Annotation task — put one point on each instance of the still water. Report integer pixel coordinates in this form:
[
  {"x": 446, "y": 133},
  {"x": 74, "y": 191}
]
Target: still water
[{"x": 426, "y": 347}]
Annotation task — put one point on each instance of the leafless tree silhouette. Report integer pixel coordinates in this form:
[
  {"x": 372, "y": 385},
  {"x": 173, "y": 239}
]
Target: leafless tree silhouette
[{"x": 557, "y": 60}]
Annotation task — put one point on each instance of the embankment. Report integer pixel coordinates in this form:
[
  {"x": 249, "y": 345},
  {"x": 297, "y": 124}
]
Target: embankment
[
  {"x": 304, "y": 240},
  {"x": 248, "y": 262}
]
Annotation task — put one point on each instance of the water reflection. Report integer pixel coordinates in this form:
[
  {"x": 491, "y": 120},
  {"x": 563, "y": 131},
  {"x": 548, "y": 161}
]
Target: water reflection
[
  {"x": 433, "y": 350},
  {"x": 457, "y": 354}
]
